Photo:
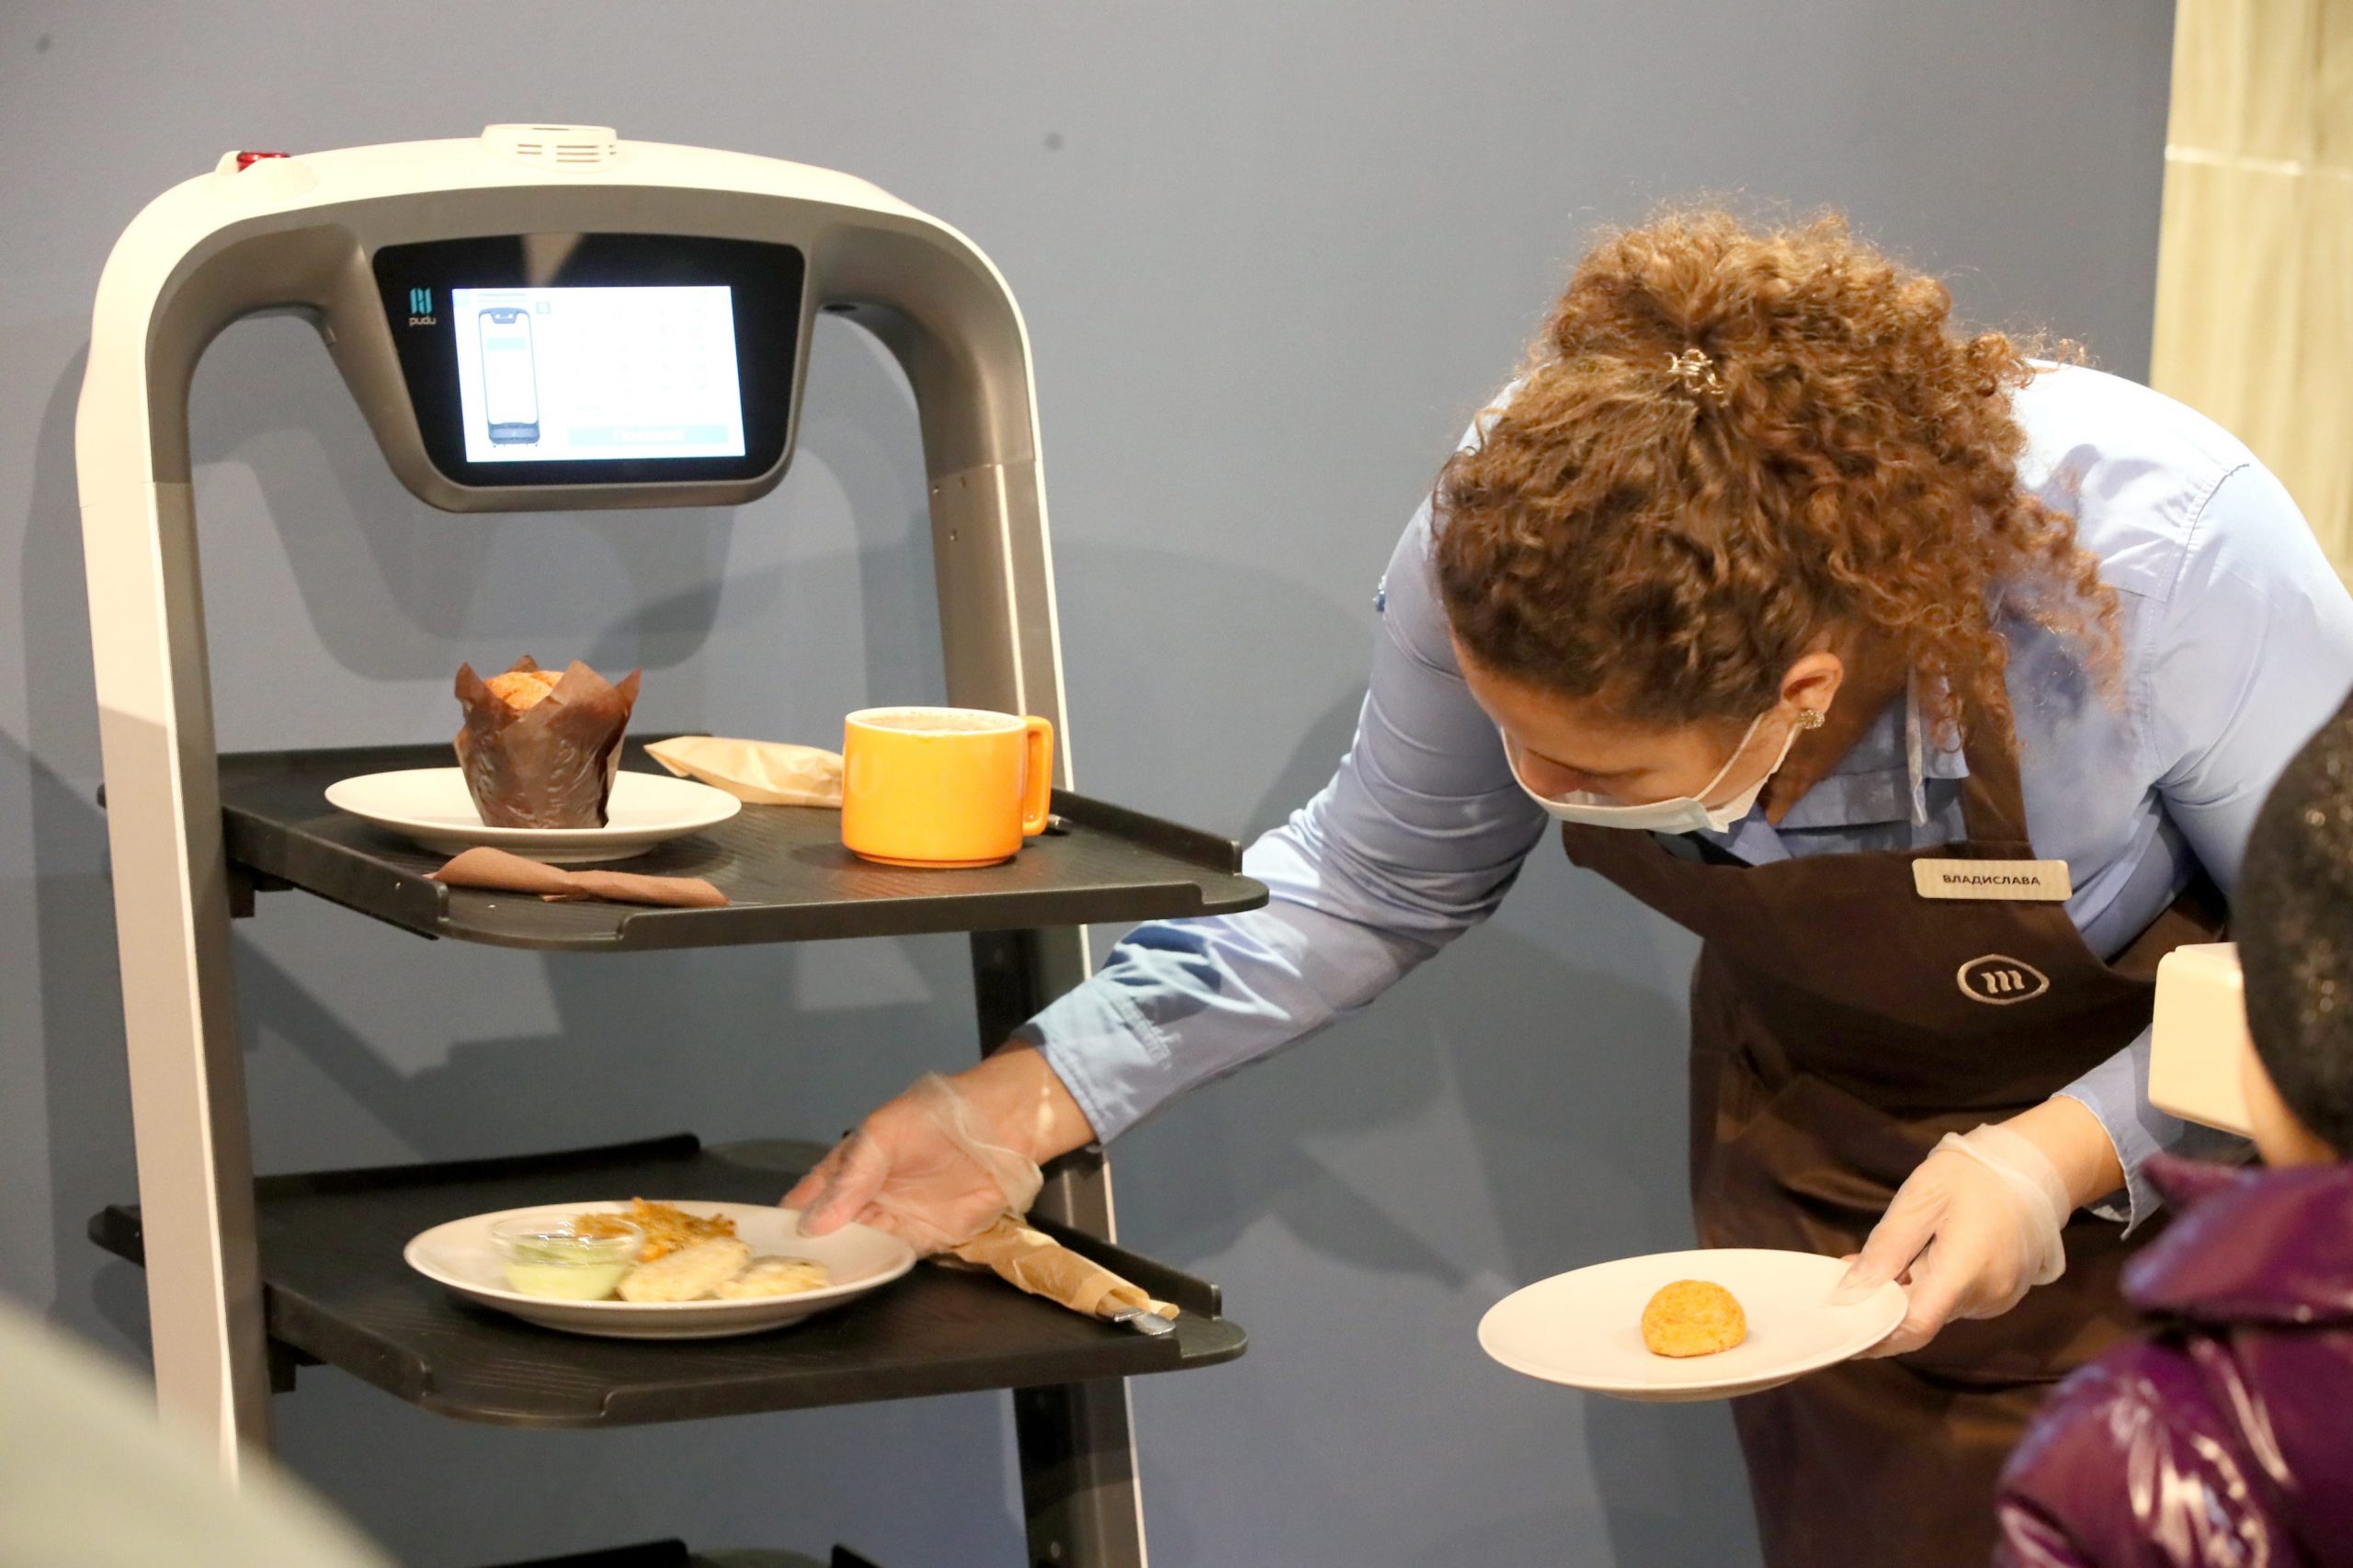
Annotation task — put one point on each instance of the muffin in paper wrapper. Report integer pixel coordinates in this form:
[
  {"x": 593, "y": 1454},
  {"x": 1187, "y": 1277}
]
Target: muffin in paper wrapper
[{"x": 552, "y": 764}]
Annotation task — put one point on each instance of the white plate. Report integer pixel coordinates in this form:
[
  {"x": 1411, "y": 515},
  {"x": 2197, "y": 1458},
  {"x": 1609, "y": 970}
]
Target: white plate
[
  {"x": 459, "y": 1255},
  {"x": 1584, "y": 1328},
  {"x": 431, "y": 806}
]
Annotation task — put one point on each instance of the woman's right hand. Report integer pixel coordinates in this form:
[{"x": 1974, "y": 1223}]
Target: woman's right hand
[{"x": 948, "y": 1159}]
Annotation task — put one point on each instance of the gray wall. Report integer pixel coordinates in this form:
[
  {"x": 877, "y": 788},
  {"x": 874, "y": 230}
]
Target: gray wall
[{"x": 1272, "y": 252}]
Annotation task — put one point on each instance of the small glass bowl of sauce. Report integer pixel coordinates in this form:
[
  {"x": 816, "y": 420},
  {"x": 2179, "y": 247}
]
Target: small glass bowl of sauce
[{"x": 550, "y": 1256}]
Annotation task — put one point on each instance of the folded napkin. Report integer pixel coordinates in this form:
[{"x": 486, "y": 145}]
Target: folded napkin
[
  {"x": 497, "y": 869},
  {"x": 1044, "y": 1267},
  {"x": 765, "y": 773}
]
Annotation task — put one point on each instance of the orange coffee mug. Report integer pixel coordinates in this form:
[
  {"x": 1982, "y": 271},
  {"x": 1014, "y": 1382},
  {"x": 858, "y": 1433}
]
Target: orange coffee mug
[{"x": 944, "y": 786}]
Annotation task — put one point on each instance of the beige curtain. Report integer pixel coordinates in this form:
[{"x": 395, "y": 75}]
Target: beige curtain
[{"x": 2254, "y": 261}]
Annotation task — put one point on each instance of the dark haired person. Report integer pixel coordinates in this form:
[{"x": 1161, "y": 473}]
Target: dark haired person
[
  {"x": 1769, "y": 584},
  {"x": 2226, "y": 1440}
]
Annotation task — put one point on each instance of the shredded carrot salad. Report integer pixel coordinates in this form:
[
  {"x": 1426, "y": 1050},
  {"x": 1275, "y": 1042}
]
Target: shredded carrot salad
[{"x": 666, "y": 1230}]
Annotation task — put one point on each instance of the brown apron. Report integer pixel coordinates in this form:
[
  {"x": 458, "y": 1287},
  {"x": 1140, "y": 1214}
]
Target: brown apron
[{"x": 1841, "y": 1024}]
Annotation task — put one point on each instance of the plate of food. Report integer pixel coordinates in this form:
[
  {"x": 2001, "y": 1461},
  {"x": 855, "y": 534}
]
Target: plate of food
[
  {"x": 433, "y": 807},
  {"x": 1686, "y": 1325},
  {"x": 646, "y": 1269},
  {"x": 538, "y": 775}
]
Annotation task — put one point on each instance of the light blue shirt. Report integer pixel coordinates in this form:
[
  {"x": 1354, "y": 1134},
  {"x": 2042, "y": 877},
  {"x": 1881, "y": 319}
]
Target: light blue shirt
[{"x": 2238, "y": 641}]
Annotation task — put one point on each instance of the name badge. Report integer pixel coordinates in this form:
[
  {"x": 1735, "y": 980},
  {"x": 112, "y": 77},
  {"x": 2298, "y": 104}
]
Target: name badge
[{"x": 2034, "y": 881}]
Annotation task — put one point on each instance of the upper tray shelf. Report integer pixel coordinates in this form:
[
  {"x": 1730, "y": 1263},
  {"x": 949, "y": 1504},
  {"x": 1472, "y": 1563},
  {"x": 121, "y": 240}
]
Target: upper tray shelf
[{"x": 783, "y": 865}]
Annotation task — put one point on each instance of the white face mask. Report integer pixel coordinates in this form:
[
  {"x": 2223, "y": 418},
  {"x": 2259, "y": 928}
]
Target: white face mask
[{"x": 1686, "y": 813}]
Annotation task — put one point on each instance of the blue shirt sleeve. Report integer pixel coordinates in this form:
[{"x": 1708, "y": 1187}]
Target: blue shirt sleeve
[
  {"x": 1414, "y": 840},
  {"x": 2232, "y": 673}
]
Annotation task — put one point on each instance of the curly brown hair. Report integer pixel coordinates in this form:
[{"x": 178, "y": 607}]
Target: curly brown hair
[{"x": 1672, "y": 532}]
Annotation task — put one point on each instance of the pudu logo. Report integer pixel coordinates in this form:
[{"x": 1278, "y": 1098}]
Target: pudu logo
[
  {"x": 1999, "y": 980},
  {"x": 420, "y": 307}
]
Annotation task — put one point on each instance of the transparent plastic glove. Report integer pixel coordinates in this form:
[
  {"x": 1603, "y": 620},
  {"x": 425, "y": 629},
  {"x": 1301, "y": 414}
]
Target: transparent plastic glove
[
  {"x": 1976, "y": 1226},
  {"x": 930, "y": 1167}
]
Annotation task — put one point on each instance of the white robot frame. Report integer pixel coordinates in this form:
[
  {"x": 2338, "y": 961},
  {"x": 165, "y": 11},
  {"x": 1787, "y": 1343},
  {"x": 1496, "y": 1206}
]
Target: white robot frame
[{"x": 295, "y": 234}]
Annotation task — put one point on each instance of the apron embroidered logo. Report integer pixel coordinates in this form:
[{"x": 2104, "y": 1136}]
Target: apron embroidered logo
[{"x": 2000, "y": 980}]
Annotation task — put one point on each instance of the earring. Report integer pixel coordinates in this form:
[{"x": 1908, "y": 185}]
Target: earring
[{"x": 1811, "y": 719}]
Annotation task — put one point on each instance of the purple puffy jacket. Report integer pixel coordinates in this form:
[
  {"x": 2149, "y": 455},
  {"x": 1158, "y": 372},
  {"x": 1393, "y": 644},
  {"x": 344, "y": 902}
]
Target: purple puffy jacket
[{"x": 2225, "y": 1439}]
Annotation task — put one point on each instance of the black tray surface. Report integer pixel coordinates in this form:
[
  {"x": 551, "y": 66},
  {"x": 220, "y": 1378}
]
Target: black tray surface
[
  {"x": 674, "y": 1554},
  {"x": 783, "y": 865},
  {"x": 337, "y": 1291}
]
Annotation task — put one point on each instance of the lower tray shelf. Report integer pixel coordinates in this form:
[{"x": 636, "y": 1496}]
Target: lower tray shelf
[
  {"x": 337, "y": 1291},
  {"x": 674, "y": 1554}
]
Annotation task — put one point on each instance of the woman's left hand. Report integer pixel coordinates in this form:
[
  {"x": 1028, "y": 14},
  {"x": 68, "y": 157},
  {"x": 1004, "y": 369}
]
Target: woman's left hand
[{"x": 1977, "y": 1224}]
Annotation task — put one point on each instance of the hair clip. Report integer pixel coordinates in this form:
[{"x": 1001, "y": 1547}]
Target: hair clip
[{"x": 1697, "y": 372}]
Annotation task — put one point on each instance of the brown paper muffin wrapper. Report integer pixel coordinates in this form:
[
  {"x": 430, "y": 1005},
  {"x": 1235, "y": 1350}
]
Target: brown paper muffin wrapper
[
  {"x": 1044, "y": 1267},
  {"x": 498, "y": 871},
  {"x": 551, "y": 765}
]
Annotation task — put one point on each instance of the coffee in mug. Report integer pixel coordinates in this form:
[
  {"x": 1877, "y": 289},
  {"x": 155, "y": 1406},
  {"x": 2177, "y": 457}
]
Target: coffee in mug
[{"x": 944, "y": 786}]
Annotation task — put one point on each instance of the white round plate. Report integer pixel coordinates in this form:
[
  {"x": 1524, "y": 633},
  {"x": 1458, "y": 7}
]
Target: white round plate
[
  {"x": 1585, "y": 1328},
  {"x": 459, "y": 1255},
  {"x": 431, "y": 806}
]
